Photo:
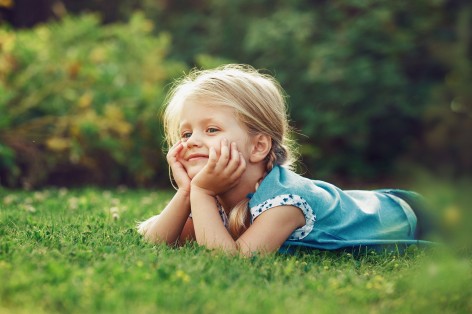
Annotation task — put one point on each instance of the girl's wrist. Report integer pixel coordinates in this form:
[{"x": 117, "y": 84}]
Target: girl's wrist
[
  {"x": 183, "y": 192},
  {"x": 199, "y": 190}
]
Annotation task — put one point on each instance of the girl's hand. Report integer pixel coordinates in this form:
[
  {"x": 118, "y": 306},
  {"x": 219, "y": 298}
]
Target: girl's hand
[
  {"x": 223, "y": 173},
  {"x": 178, "y": 171}
]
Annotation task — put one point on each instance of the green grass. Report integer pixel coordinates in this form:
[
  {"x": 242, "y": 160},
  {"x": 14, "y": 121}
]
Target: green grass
[{"x": 63, "y": 251}]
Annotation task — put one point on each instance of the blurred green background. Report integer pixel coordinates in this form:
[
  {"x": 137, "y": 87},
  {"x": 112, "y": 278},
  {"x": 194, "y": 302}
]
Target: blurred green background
[{"x": 379, "y": 91}]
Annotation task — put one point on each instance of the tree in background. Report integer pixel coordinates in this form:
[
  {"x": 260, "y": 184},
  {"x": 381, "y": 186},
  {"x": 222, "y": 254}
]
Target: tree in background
[
  {"x": 79, "y": 103},
  {"x": 374, "y": 86},
  {"x": 364, "y": 77}
]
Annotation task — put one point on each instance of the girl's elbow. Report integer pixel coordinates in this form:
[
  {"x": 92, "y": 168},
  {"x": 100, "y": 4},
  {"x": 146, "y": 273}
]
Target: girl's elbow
[
  {"x": 247, "y": 250},
  {"x": 154, "y": 238},
  {"x": 145, "y": 228},
  {"x": 152, "y": 234},
  {"x": 142, "y": 228}
]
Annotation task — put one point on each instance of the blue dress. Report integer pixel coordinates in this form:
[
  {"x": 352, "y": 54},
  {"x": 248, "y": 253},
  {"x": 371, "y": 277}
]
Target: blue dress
[{"x": 336, "y": 219}]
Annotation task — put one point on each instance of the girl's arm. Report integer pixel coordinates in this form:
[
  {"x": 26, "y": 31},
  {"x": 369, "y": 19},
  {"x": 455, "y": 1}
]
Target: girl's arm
[
  {"x": 209, "y": 228},
  {"x": 173, "y": 224},
  {"x": 220, "y": 174},
  {"x": 169, "y": 224},
  {"x": 268, "y": 232}
]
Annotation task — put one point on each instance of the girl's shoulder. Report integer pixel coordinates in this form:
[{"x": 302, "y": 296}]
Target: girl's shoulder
[{"x": 282, "y": 181}]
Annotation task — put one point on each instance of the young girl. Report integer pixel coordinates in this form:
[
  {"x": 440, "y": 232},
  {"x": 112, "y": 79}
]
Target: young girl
[{"x": 231, "y": 160}]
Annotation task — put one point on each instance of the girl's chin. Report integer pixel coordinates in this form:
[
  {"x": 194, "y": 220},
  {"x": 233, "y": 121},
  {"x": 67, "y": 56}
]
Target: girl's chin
[{"x": 192, "y": 173}]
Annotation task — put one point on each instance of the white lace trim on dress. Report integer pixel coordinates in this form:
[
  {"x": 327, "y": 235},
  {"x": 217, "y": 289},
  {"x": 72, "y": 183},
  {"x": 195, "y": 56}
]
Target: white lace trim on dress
[{"x": 291, "y": 200}]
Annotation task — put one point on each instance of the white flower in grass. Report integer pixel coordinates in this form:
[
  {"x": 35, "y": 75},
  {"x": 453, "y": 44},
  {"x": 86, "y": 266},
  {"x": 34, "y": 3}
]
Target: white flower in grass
[
  {"x": 146, "y": 201},
  {"x": 40, "y": 196},
  {"x": 73, "y": 203},
  {"x": 30, "y": 208},
  {"x": 115, "y": 212},
  {"x": 7, "y": 200}
]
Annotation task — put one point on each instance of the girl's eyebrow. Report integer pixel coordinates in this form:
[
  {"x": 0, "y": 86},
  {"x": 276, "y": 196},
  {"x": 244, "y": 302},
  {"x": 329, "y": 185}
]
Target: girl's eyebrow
[{"x": 204, "y": 121}]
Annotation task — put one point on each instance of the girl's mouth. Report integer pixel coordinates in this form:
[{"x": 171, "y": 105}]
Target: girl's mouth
[{"x": 194, "y": 157}]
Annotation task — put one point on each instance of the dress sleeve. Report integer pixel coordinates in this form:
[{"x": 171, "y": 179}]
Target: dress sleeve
[{"x": 288, "y": 200}]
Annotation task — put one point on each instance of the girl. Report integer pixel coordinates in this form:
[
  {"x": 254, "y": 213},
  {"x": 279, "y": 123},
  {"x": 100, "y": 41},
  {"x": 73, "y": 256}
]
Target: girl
[{"x": 231, "y": 159}]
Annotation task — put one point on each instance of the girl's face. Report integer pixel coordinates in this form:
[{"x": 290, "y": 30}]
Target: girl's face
[{"x": 203, "y": 126}]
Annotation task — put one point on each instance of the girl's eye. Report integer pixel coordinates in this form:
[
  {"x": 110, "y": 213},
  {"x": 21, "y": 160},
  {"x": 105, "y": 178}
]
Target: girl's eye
[
  {"x": 212, "y": 130},
  {"x": 186, "y": 134}
]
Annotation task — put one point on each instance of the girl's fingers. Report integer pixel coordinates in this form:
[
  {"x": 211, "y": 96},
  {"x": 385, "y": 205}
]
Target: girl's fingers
[
  {"x": 238, "y": 172},
  {"x": 234, "y": 159},
  {"x": 212, "y": 158},
  {"x": 176, "y": 144},
  {"x": 241, "y": 167},
  {"x": 224, "y": 154},
  {"x": 176, "y": 148},
  {"x": 173, "y": 153}
]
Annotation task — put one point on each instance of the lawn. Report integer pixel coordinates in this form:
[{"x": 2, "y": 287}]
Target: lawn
[{"x": 77, "y": 251}]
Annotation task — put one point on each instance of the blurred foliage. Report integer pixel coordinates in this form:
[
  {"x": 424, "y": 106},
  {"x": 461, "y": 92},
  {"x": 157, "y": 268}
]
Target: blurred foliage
[
  {"x": 370, "y": 82},
  {"x": 80, "y": 102},
  {"x": 374, "y": 86}
]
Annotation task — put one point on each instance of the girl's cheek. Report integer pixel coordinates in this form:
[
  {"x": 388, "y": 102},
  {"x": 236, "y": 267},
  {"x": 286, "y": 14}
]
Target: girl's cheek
[
  {"x": 216, "y": 144},
  {"x": 217, "y": 149}
]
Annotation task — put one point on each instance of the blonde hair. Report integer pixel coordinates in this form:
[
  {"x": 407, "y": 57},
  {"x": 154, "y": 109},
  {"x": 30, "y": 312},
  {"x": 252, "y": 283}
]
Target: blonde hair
[{"x": 259, "y": 103}]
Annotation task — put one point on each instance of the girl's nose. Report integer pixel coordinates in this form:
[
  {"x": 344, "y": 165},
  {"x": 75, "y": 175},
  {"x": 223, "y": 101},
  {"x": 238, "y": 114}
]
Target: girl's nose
[{"x": 193, "y": 140}]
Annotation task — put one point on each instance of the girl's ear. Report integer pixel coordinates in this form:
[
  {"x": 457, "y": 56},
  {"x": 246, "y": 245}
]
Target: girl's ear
[{"x": 261, "y": 146}]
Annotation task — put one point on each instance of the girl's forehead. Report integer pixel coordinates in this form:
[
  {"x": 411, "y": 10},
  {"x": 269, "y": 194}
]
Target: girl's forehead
[
  {"x": 202, "y": 102},
  {"x": 205, "y": 107},
  {"x": 203, "y": 111}
]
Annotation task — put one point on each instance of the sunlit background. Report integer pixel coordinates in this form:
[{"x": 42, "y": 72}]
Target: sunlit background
[
  {"x": 378, "y": 91},
  {"x": 379, "y": 94}
]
